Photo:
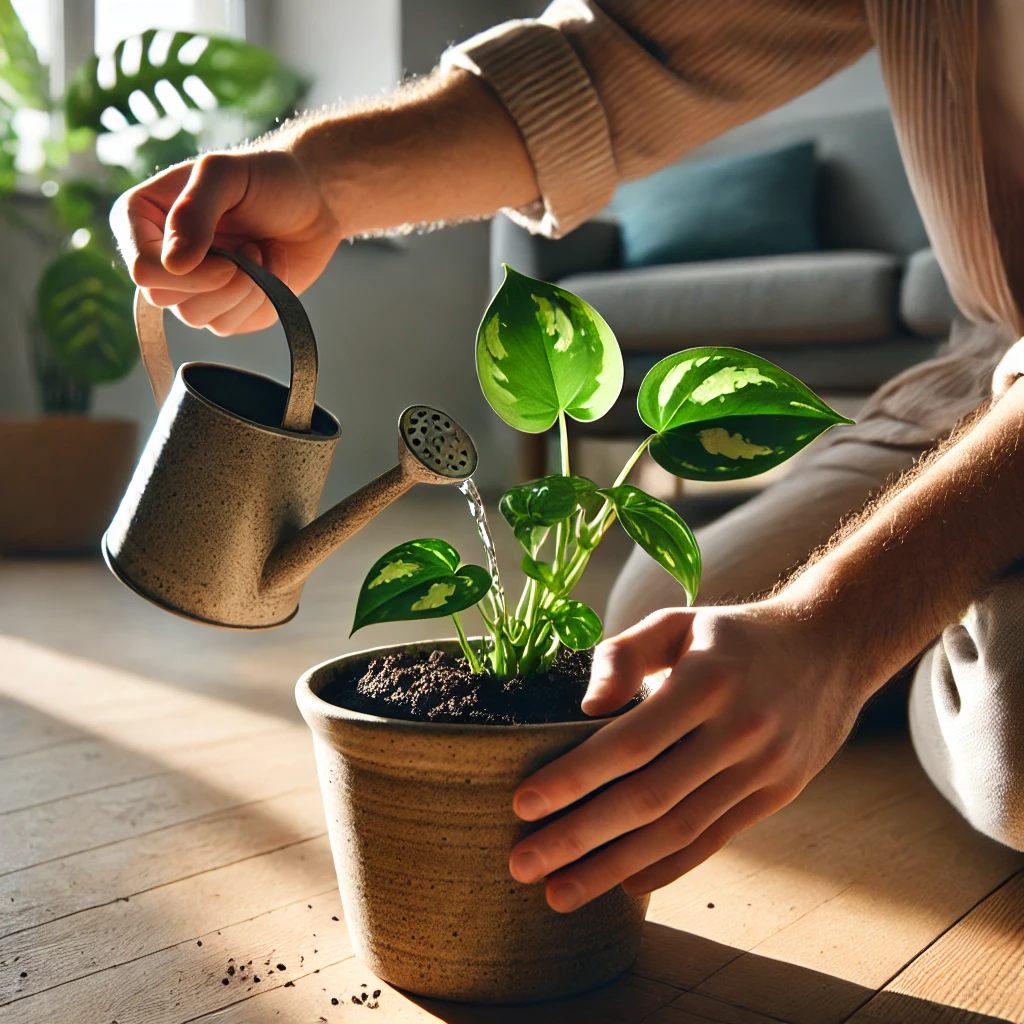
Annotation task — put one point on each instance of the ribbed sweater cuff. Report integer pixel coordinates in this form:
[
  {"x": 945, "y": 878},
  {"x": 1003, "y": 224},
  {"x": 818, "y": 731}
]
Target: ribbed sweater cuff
[{"x": 544, "y": 86}]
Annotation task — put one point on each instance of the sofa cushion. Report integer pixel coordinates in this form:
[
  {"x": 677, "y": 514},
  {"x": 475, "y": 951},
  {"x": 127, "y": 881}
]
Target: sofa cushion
[
  {"x": 752, "y": 204},
  {"x": 926, "y": 306},
  {"x": 814, "y": 297}
]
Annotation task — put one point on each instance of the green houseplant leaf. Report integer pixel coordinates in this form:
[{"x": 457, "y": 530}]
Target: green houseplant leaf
[
  {"x": 240, "y": 76},
  {"x": 543, "y": 503},
  {"x": 659, "y": 530},
  {"x": 724, "y": 414},
  {"x": 419, "y": 580},
  {"x": 576, "y": 624},
  {"x": 23, "y": 79},
  {"x": 84, "y": 306},
  {"x": 542, "y": 351}
]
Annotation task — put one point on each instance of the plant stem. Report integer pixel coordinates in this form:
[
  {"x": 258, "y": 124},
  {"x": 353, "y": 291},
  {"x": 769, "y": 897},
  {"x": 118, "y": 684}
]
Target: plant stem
[
  {"x": 467, "y": 650},
  {"x": 632, "y": 461},
  {"x": 563, "y": 440}
]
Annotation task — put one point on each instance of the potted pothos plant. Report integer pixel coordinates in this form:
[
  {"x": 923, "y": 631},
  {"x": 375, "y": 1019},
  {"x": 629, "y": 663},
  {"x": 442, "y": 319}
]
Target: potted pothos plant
[
  {"x": 421, "y": 747},
  {"x": 64, "y": 473}
]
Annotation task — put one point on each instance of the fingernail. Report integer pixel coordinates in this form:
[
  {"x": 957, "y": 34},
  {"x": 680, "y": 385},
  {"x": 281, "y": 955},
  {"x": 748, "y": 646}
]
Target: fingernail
[
  {"x": 566, "y": 896},
  {"x": 530, "y": 805},
  {"x": 527, "y": 866}
]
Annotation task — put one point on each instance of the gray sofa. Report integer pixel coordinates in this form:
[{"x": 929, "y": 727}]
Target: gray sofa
[{"x": 844, "y": 319}]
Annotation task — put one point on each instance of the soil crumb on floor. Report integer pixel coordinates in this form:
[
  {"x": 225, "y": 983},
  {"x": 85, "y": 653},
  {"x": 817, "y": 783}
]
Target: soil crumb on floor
[{"x": 440, "y": 687}]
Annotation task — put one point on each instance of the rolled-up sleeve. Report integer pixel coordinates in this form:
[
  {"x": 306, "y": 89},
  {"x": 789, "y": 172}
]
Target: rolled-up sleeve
[{"x": 610, "y": 91}]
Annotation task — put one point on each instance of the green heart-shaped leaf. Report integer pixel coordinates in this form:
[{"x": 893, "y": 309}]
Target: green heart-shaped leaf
[
  {"x": 734, "y": 447},
  {"x": 723, "y": 414},
  {"x": 659, "y": 530},
  {"x": 85, "y": 312},
  {"x": 540, "y": 351},
  {"x": 577, "y": 625},
  {"x": 421, "y": 579},
  {"x": 542, "y": 503},
  {"x": 702, "y": 384}
]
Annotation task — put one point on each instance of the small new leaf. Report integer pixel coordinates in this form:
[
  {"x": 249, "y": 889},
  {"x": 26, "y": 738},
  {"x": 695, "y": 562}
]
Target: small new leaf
[
  {"x": 541, "y": 504},
  {"x": 542, "y": 350},
  {"x": 577, "y": 625},
  {"x": 659, "y": 530},
  {"x": 421, "y": 579},
  {"x": 724, "y": 414},
  {"x": 539, "y": 571}
]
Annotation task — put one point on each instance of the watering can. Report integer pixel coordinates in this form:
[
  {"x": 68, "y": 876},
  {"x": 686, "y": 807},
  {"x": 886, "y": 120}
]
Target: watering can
[{"x": 219, "y": 521}]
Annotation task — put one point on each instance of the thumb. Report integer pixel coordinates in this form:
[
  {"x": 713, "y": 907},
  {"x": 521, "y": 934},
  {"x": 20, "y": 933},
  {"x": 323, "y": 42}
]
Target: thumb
[
  {"x": 217, "y": 184},
  {"x": 623, "y": 662}
]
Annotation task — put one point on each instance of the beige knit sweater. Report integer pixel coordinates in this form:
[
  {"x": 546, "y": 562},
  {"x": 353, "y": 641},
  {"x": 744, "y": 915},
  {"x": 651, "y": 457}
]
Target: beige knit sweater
[{"x": 608, "y": 90}]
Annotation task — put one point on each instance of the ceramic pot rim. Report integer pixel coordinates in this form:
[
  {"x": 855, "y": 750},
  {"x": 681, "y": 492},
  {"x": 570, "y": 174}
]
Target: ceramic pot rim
[{"x": 314, "y": 707}]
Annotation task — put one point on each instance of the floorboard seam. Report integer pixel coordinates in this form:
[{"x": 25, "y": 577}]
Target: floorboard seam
[
  {"x": 213, "y": 1013},
  {"x": 924, "y": 949},
  {"x": 162, "y": 828},
  {"x": 161, "y": 885},
  {"x": 162, "y": 949}
]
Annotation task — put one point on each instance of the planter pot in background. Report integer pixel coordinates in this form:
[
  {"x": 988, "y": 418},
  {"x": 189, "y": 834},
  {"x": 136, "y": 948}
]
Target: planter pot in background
[
  {"x": 421, "y": 825},
  {"x": 61, "y": 478}
]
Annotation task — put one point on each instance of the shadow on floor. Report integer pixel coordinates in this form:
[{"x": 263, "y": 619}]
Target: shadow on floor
[{"x": 685, "y": 979}]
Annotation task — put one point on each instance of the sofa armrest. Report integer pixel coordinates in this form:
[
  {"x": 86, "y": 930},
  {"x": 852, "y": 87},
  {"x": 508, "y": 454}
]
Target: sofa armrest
[
  {"x": 926, "y": 306},
  {"x": 593, "y": 246}
]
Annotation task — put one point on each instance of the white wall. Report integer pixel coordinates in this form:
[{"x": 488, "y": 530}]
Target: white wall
[{"x": 351, "y": 48}]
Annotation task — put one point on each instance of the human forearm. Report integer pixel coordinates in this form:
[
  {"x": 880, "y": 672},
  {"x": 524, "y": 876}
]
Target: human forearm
[
  {"x": 441, "y": 150},
  {"x": 913, "y": 566}
]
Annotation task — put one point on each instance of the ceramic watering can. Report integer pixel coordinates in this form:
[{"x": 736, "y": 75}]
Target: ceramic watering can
[{"x": 218, "y": 523}]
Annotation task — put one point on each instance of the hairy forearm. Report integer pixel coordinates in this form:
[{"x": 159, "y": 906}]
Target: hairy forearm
[
  {"x": 913, "y": 566},
  {"x": 441, "y": 149}
]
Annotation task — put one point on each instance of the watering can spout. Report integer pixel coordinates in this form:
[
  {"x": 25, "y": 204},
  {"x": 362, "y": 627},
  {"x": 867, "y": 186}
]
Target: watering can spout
[
  {"x": 432, "y": 449},
  {"x": 291, "y": 562}
]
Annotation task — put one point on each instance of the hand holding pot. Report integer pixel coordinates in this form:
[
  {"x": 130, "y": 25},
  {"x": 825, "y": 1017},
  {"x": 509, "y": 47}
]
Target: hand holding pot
[
  {"x": 755, "y": 705},
  {"x": 263, "y": 205}
]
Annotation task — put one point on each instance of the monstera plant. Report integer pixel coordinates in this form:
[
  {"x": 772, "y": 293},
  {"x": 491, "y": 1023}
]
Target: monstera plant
[
  {"x": 544, "y": 355},
  {"x": 82, "y": 327},
  {"x": 63, "y": 475}
]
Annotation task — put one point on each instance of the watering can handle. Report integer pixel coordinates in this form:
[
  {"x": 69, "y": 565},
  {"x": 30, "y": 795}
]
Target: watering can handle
[{"x": 298, "y": 414}]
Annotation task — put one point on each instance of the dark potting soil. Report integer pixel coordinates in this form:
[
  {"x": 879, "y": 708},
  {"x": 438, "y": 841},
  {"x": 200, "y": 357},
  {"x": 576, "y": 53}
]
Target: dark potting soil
[{"x": 440, "y": 687}]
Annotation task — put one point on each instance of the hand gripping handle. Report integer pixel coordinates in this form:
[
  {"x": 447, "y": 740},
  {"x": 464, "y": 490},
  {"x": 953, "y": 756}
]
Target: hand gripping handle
[{"x": 298, "y": 413}]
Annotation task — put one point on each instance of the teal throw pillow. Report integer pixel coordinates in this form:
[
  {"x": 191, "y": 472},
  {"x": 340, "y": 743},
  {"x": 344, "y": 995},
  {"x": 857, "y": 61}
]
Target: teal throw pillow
[{"x": 754, "y": 204}]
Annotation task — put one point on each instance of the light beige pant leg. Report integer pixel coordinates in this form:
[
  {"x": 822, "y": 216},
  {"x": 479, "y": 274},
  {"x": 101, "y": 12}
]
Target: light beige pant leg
[
  {"x": 967, "y": 714},
  {"x": 747, "y": 550}
]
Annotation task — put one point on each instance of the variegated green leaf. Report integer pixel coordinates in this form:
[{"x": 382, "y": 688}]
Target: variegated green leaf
[
  {"x": 660, "y": 531},
  {"x": 421, "y": 579},
  {"x": 724, "y": 414},
  {"x": 542, "y": 350}
]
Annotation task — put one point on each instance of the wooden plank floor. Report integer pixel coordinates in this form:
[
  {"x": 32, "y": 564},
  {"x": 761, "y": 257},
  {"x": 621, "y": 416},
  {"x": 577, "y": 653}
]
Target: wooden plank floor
[{"x": 161, "y": 831}]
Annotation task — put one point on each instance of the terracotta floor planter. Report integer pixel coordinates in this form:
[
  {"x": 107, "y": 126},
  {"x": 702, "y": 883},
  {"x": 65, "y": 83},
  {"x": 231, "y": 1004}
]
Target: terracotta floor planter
[
  {"x": 61, "y": 478},
  {"x": 421, "y": 825}
]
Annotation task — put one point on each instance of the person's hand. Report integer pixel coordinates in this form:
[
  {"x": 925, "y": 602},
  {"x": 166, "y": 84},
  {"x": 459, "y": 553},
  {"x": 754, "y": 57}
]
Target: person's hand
[
  {"x": 756, "y": 704},
  {"x": 261, "y": 204}
]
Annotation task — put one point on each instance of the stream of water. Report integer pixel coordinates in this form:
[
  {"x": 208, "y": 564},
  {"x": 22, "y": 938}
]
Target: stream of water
[{"x": 476, "y": 509}]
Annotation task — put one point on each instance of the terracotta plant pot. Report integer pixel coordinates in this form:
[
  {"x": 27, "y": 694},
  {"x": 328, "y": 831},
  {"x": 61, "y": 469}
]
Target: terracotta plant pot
[
  {"x": 421, "y": 825},
  {"x": 61, "y": 478}
]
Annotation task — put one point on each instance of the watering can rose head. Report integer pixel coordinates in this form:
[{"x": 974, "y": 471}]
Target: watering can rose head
[{"x": 543, "y": 356}]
